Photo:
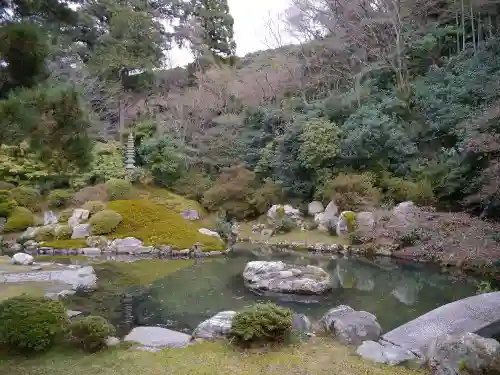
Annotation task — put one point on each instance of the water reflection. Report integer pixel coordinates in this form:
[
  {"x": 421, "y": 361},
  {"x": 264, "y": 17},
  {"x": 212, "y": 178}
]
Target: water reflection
[{"x": 394, "y": 292}]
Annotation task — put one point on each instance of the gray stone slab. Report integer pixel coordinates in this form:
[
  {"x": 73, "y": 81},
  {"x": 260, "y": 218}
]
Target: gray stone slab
[
  {"x": 471, "y": 314},
  {"x": 157, "y": 337}
]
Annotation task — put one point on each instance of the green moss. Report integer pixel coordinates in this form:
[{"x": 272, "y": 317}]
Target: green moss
[
  {"x": 66, "y": 244},
  {"x": 64, "y": 215},
  {"x": 170, "y": 200},
  {"x": 63, "y": 232},
  {"x": 119, "y": 189},
  {"x": 19, "y": 219},
  {"x": 94, "y": 207},
  {"x": 155, "y": 225},
  {"x": 105, "y": 222}
]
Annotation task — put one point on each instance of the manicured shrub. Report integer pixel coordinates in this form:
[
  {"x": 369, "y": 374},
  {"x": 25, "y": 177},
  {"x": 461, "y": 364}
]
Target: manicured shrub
[
  {"x": 233, "y": 193},
  {"x": 19, "y": 219},
  {"x": 90, "y": 193},
  {"x": 58, "y": 198},
  {"x": 350, "y": 217},
  {"x": 94, "y": 206},
  {"x": 401, "y": 190},
  {"x": 6, "y": 203},
  {"x": 352, "y": 191},
  {"x": 44, "y": 234},
  {"x": 64, "y": 215},
  {"x": 193, "y": 184},
  {"x": 31, "y": 323},
  {"x": 90, "y": 333},
  {"x": 119, "y": 189},
  {"x": 26, "y": 196},
  {"x": 157, "y": 225},
  {"x": 266, "y": 196},
  {"x": 262, "y": 323},
  {"x": 63, "y": 232},
  {"x": 105, "y": 222}
]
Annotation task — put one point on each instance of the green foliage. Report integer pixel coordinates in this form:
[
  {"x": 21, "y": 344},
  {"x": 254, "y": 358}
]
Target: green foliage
[
  {"x": 262, "y": 323},
  {"x": 157, "y": 225},
  {"x": 26, "y": 196},
  {"x": 19, "y": 219},
  {"x": 485, "y": 286},
  {"x": 320, "y": 143},
  {"x": 62, "y": 232},
  {"x": 163, "y": 158},
  {"x": 119, "y": 189},
  {"x": 352, "y": 191},
  {"x": 34, "y": 323},
  {"x": 223, "y": 227},
  {"x": 6, "y": 185},
  {"x": 94, "y": 207},
  {"x": 401, "y": 190},
  {"x": 284, "y": 224},
  {"x": 237, "y": 191},
  {"x": 6, "y": 203},
  {"x": 410, "y": 238},
  {"x": 90, "y": 333},
  {"x": 44, "y": 234},
  {"x": 107, "y": 163},
  {"x": 90, "y": 193},
  {"x": 193, "y": 184},
  {"x": 105, "y": 222},
  {"x": 59, "y": 198},
  {"x": 350, "y": 218},
  {"x": 64, "y": 215}
]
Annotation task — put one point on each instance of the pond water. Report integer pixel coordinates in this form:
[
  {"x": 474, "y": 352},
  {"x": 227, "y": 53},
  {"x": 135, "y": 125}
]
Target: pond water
[{"x": 396, "y": 292}]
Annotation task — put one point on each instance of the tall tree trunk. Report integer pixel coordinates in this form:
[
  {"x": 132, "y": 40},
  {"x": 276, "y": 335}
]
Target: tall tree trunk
[
  {"x": 472, "y": 26},
  {"x": 457, "y": 25},
  {"x": 463, "y": 24}
]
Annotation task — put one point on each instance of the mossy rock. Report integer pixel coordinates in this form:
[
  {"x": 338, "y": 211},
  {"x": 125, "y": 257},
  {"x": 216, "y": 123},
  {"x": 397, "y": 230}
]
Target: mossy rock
[
  {"x": 94, "y": 207},
  {"x": 19, "y": 219},
  {"x": 170, "y": 200},
  {"x": 64, "y": 215},
  {"x": 156, "y": 225}
]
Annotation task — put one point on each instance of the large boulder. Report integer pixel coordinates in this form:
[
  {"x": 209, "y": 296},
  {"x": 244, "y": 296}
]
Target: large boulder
[
  {"x": 365, "y": 224},
  {"x": 22, "y": 259},
  {"x": 301, "y": 323},
  {"x": 215, "y": 327},
  {"x": 128, "y": 245},
  {"x": 262, "y": 276},
  {"x": 314, "y": 208},
  {"x": 466, "y": 353},
  {"x": 81, "y": 231},
  {"x": 384, "y": 352},
  {"x": 157, "y": 338},
  {"x": 273, "y": 213},
  {"x": 350, "y": 326},
  {"x": 78, "y": 216},
  {"x": 49, "y": 218}
]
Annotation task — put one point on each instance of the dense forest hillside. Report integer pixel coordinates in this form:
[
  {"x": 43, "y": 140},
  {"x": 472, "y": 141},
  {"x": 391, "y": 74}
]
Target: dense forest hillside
[{"x": 385, "y": 101}]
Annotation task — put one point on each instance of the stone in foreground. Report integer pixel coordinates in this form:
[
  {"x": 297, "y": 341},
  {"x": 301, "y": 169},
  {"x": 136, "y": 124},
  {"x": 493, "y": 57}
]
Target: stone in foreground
[
  {"x": 350, "y": 326},
  {"x": 217, "y": 326},
  {"x": 158, "y": 338},
  {"x": 388, "y": 354},
  {"x": 278, "y": 277},
  {"x": 22, "y": 259},
  {"x": 465, "y": 353}
]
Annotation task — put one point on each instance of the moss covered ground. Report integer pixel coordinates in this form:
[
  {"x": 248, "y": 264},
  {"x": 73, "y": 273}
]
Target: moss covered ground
[
  {"x": 156, "y": 225},
  {"x": 317, "y": 357}
]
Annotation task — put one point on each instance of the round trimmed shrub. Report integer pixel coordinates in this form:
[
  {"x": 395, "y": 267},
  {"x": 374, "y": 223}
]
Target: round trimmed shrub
[
  {"x": 262, "y": 323},
  {"x": 90, "y": 193},
  {"x": 19, "y": 219},
  {"x": 31, "y": 323},
  {"x": 94, "y": 207},
  {"x": 64, "y": 215},
  {"x": 91, "y": 332},
  {"x": 105, "y": 222},
  {"x": 44, "y": 234},
  {"x": 119, "y": 189},
  {"x": 63, "y": 232},
  {"x": 26, "y": 196},
  {"x": 58, "y": 198}
]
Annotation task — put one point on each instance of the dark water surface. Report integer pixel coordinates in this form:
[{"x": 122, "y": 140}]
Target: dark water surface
[{"x": 396, "y": 292}]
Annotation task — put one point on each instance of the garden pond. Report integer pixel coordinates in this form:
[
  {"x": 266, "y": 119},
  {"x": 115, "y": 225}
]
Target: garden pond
[{"x": 395, "y": 291}]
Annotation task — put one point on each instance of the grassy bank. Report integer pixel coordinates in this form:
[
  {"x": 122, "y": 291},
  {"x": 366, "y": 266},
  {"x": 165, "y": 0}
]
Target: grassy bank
[{"x": 318, "y": 357}]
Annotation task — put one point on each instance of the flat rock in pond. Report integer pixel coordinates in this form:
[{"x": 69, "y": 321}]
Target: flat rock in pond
[
  {"x": 22, "y": 259},
  {"x": 261, "y": 276},
  {"x": 157, "y": 337}
]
